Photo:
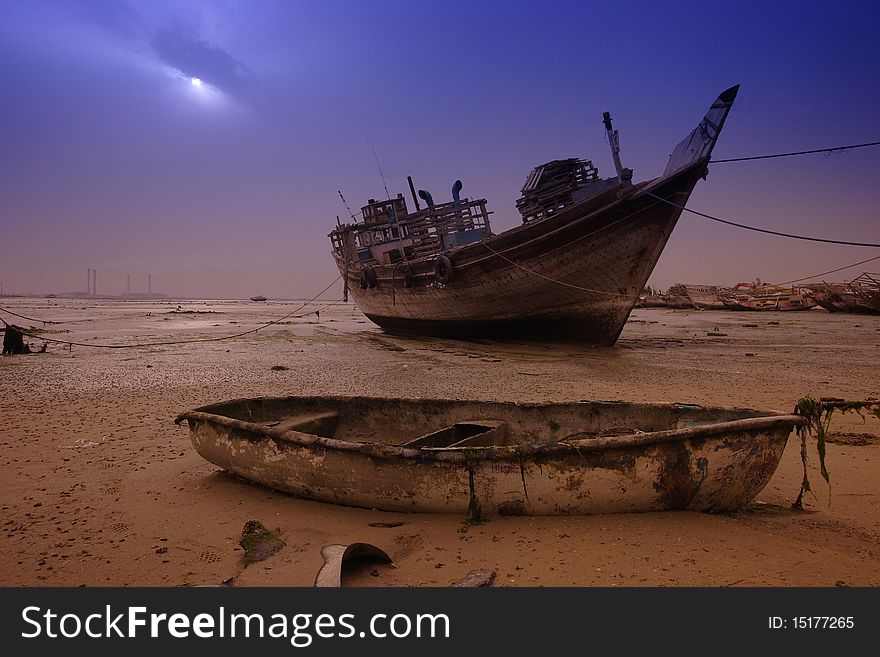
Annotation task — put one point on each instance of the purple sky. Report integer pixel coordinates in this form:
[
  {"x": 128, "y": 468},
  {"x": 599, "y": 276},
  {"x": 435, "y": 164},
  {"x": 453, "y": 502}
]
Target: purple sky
[{"x": 111, "y": 158}]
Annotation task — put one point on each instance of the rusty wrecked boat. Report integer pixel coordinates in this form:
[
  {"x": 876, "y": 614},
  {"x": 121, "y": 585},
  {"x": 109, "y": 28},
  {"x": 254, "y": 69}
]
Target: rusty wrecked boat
[{"x": 441, "y": 456}]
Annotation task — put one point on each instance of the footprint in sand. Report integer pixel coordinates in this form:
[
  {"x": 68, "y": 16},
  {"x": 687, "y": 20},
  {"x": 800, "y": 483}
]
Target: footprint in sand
[{"x": 209, "y": 557}]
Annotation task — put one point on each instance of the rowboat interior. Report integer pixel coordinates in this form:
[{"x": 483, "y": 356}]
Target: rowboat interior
[{"x": 455, "y": 425}]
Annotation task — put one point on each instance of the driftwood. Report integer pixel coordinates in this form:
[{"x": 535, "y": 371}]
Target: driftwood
[{"x": 13, "y": 341}]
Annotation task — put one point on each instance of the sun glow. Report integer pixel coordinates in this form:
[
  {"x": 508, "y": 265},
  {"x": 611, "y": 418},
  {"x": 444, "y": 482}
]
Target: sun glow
[{"x": 197, "y": 90}]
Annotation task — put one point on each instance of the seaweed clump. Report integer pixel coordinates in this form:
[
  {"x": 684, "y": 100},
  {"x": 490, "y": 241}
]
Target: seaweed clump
[
  {"x": 818, "y": 414},
  {"x": 475, "y": 509},
  {"x": 258, "y": 542}
]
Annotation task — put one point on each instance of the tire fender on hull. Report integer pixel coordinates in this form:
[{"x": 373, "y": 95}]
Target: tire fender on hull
[
  {"x": 443, "y": 270},
  {"x": 368, "y": 278},
  {"x": 408, "y": 276}
]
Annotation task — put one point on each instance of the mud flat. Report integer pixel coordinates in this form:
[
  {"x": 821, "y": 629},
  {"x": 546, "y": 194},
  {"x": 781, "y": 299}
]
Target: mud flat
[{"x": 101, "y": 488}]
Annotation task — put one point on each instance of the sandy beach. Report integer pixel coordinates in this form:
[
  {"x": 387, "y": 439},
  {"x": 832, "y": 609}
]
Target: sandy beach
[{"x": 101, "y": 488}]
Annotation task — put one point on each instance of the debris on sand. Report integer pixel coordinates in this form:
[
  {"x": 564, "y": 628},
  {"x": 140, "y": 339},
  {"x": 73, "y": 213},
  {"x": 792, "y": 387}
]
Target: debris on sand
[
  {"x": 258, "y": 542},
  {"x": 13, "y": 341},
  {"x": 339, "y": 558},
  {"x": 476, "y": 578},
  {"x": 279, "y": 368}
]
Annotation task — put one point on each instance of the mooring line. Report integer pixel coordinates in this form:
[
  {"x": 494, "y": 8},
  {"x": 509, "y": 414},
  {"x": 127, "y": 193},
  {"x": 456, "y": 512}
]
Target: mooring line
[
  {"x": 829, "y": 151},
  {"x": 763, "y": 230},
  {"x": 176, "y": 342}
]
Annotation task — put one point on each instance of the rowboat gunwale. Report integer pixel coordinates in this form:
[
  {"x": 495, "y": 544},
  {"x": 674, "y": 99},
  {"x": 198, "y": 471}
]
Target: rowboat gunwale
[{"x": 770, "y": 420}]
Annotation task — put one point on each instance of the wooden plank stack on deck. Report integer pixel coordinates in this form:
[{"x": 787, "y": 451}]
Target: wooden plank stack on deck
[{"x": 549, "y": 187}]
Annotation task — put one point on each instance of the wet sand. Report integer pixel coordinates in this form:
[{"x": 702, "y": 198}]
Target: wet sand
[{"x": 101, "y": 488}]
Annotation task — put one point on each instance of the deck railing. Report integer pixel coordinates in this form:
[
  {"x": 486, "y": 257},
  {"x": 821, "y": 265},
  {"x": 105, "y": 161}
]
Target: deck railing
[{"x": 423, "y": 231}]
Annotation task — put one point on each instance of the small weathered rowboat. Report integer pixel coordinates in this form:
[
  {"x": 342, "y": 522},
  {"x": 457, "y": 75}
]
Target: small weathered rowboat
[{"x": 537, "y": 459}]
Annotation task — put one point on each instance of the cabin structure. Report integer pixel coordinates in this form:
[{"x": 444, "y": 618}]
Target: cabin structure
[{"x": 390, "y": 234}]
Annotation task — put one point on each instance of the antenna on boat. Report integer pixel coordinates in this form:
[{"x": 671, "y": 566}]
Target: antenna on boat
[
  {"x": 623, "y": 173},
  {"x": 382, "y": 175},
  {"x": 351, "y": 214}
]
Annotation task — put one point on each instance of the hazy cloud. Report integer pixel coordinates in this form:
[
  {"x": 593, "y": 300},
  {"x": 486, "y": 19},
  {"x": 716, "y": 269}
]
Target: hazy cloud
[
  {"x": 183, "y": 49},
  {"x": 114, "y": 16}
]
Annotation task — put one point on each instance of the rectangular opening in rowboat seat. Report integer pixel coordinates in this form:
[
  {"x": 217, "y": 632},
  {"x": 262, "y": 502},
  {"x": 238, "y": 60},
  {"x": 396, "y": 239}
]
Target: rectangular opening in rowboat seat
[
  {"x": 472, "y": 433},
  {"x": 318, "y": 424}
]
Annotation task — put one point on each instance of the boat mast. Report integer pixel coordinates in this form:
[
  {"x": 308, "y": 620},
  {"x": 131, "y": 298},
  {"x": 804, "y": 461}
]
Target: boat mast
[
  {"x": 623, "y": 173},
  {"x": 412, "y": 190}
]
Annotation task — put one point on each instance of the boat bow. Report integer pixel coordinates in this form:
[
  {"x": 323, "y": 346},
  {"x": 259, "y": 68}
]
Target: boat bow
[{"x": 699, "y": 144}]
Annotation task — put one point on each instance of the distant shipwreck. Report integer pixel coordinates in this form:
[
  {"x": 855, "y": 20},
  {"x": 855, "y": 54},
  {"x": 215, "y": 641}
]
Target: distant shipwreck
[
  {"x": 860, "y": 295},
  {"x": 574, "y": 269}
]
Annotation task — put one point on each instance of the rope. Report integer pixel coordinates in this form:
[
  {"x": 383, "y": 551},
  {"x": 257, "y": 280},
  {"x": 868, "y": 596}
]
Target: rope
[
  {"x": 764, "y": 230},
  {"x": 175, "y": 342},
  {"x": 570, "y": 285},
  {"x": 31, "y": 319},
  {"x": 829, "y": 151},
  {"x": 553, "y": 280},
  {"x": 831, "y": 271},
  {"x": 586, "y": 289},
  {"x": 47, "y": 321}
]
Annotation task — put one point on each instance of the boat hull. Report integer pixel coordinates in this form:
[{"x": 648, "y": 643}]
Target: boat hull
[
  {"x": 710, "y": 460},
  {"x": 576, "y": 275}
]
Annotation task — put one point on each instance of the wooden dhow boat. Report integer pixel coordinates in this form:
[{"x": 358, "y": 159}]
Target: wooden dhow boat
[
  {"x": 449, "y": 456},
  {"x": 573, "y": 269}
]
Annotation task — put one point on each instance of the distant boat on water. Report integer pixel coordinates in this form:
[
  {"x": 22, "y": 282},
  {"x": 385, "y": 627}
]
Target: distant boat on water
[
  {"x": 574, "y": 269},
  {"x": 259, "y": 297}
]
